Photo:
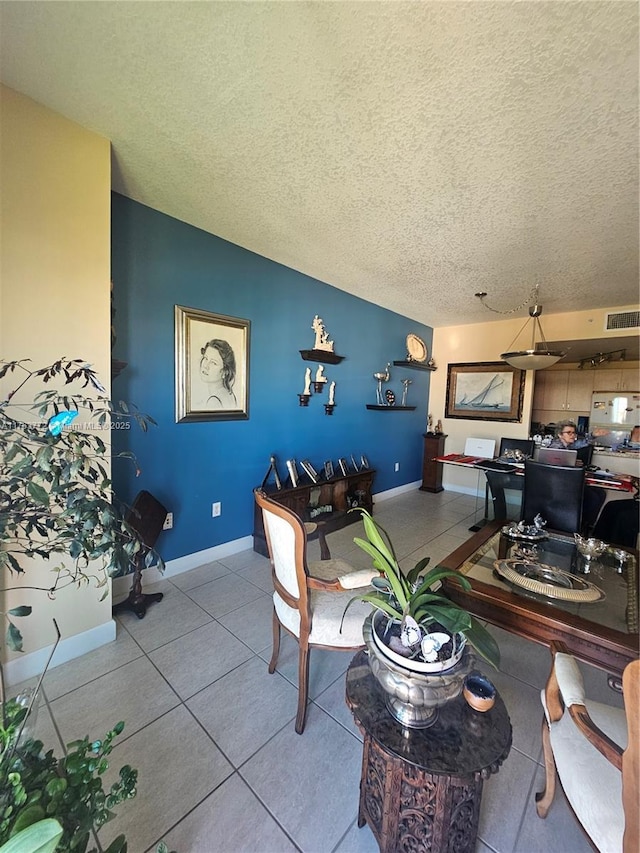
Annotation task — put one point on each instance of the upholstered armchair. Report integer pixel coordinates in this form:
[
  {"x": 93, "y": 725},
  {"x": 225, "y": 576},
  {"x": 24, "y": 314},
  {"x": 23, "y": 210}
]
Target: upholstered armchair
[
  {"x": 595, "y": 749},
  {"x": 309, "y": 599}
]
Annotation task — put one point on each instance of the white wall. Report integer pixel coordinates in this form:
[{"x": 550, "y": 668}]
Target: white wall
[{"x": 54, "y": 292}]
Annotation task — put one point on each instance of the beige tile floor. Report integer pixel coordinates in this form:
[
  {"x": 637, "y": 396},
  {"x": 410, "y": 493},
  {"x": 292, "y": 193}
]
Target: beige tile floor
[{"x": 212, "y": 733}]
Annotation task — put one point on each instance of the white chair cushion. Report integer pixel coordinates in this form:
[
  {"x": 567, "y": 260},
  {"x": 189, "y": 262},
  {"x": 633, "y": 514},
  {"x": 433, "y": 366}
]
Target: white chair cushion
[
  {"x": 326, "y": 614},
  {"x": 282, "y": 538},
  {"x": 349, "y": 577},
  {"x": 592, "y": 785},
  {"x": 569, "y": 679}
]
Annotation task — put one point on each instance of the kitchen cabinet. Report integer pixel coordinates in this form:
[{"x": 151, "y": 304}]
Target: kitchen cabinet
[
  {"x": 620, "y": 379},
  {"x": 563, "y": 391}
]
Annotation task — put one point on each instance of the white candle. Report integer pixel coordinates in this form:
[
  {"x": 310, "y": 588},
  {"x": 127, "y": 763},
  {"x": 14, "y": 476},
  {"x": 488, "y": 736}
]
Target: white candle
[{"x": 332, "y": 389}]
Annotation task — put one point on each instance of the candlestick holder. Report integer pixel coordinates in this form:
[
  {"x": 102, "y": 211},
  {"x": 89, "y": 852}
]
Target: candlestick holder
[
  {"x": 328, "y": 408},
  {"x": 304, "y": 399},
  {"x": 318, "y": 386}
]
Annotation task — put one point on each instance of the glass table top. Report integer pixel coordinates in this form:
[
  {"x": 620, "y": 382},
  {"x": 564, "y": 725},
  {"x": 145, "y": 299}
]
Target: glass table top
[{"x": 616, "y": 605}]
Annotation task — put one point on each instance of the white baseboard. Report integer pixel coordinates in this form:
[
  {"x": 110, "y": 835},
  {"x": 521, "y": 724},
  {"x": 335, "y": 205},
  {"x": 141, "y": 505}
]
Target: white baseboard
[
  {"x": 399, "y": 490},
  {"x": 32, "y": 664},
  {"x": 121, "y": 586}
]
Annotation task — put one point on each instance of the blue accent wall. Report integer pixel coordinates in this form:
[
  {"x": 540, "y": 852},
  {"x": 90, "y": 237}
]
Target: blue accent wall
[{"x": 158, "y": 262}]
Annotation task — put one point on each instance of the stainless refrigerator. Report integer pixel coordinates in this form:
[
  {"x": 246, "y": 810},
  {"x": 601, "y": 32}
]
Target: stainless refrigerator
[{"x": 616, "y": 411}]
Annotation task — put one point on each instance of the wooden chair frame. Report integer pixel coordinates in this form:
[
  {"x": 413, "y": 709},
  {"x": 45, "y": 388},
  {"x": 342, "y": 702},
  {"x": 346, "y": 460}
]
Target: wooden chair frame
[
  {"x": 302, "y": 602},
  {"x": 626, "y": 761}
]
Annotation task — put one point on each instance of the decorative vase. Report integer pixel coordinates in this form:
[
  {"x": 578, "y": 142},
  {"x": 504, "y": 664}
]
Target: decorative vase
[{"x": 414, "y": 689}]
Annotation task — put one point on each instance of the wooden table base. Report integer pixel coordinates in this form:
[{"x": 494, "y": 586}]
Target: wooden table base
[{"x": 412, "y": 811}]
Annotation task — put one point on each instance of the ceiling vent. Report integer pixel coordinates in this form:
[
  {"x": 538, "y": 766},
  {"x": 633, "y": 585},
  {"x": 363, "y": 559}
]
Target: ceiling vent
[{"x": 622, "y": 320}]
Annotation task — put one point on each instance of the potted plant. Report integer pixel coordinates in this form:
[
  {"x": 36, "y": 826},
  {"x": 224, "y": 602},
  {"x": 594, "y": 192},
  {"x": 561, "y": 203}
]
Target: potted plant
[
  {"x": 417, "y": 637},
  {"x": 57, "y": 503},
  {"x": 56, "y": 497},
  {"x": 70, "y": 789}
]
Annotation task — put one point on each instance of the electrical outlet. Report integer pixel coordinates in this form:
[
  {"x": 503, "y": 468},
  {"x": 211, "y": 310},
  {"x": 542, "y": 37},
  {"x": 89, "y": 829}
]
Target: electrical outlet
[
  {"x": 216, "y": 509},
  {"x": 396, "y": 467},
  {"x": 168, "y": 522}
]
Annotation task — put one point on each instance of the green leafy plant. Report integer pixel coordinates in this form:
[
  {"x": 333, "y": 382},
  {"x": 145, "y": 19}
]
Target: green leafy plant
[
  {"x": 410, "y": 598},
  {"x": 35, "y": 785},
  {"x": 56, "y": 501},
  {"x": 56, "y": 495}
]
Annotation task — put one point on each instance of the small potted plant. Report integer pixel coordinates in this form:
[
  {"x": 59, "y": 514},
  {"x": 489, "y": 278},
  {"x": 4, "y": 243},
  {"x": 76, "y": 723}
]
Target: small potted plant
[{"x": 417, "y": 637}]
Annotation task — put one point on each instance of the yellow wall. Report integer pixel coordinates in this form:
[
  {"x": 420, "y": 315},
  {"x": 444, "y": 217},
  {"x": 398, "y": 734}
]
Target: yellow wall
[
  {"x": 54, "y": 288},
  {"x": 484, "y": 342}
]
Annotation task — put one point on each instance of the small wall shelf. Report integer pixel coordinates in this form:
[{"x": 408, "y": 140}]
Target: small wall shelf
[
  {"x": 414, "y": 365},
  {"x": 391, "y": 408},
  {"x": 324, "y": 356}
]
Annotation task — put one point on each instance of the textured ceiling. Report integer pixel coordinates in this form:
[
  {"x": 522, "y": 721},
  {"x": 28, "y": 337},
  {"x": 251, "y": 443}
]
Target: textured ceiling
[{"x": 410, "y": 153}]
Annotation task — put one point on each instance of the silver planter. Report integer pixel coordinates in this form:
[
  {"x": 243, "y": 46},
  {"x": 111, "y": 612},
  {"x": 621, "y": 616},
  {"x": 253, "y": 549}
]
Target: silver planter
[{"x": 412, "y": 697}]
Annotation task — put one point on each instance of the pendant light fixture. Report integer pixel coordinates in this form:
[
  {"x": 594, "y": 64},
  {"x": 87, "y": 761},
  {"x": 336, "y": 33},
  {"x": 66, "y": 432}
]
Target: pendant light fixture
[{"x": 539, "y": 355}]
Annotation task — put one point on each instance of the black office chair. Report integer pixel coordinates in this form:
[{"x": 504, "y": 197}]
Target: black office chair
[
  {"x": 585, "y": 454},
  {"x": 592, "y": 504},
  {"x": 555, "y": 493},
  {"x": 147, "y": 516},
  {"x": 498, "y": 481},
  {"x": 619, "y": 523},
  {"x": 525, "y": 445}
]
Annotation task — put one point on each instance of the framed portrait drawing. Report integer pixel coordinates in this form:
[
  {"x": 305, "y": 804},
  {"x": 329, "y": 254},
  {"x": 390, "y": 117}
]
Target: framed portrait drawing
[
  {"x": 488, "y": 391},
  {"x": 212, "y": 366}
]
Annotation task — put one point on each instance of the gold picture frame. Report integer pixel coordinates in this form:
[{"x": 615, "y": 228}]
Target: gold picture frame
[
  {"x": 211, "y": 366},
  {"x": 484, "y": 391}
]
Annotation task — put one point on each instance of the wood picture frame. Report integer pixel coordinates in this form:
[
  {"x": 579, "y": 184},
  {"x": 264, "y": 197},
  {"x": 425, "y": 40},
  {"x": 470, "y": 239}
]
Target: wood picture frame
[
  {"x": 211, "y": 366},
  {"x": 485, "y": 391}
]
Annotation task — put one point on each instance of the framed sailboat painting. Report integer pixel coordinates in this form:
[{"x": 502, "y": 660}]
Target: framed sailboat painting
[{"x": 488, "y": 391}]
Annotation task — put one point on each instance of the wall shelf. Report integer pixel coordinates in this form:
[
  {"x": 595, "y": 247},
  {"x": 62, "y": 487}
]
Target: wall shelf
[
  {"x": 391, "y": 408},
  {"x": 414, "y": 365},
  {"x": 321, "y": 355}
]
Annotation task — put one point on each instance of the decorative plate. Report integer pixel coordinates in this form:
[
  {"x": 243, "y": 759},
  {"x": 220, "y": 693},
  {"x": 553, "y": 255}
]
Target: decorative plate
[
  {"x": 416, "y": 348},
  {"x": 540, "y": 579}
]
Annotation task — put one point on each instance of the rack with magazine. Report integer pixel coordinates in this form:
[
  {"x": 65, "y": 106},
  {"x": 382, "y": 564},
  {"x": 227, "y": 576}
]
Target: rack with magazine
[{"x": 326, "y": 502}]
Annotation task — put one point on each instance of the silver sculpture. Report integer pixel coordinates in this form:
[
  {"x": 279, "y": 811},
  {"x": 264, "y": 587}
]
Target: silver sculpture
[{"x": 382, "y": 377}]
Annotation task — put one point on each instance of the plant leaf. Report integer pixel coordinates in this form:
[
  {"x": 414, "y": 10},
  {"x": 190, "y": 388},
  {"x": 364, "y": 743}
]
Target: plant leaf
[{"x": 40, "y": 837}]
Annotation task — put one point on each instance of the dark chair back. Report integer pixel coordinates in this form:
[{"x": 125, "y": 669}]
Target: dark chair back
[
  {"x": 554, "y": 492},
  {"x": 526, "y": 445},
  {"x": 585, "y": 454},
  {"x": 619, "y": 524},
  {"x": 499, "y": 481}
]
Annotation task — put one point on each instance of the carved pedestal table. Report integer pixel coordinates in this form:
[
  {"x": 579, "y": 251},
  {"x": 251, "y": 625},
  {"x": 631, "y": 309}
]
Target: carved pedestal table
[{"x": 420, "y": 789}]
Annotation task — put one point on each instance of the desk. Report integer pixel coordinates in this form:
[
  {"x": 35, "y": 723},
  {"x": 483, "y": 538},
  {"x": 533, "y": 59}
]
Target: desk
[
  {"x": 604, "y": 634},
  {"x": 498, "y": 481},
  {"x": 421, "y": 788}
]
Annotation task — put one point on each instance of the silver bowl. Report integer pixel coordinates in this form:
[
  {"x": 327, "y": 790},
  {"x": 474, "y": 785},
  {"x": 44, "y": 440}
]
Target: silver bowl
[{"x": 590, "y": 548}]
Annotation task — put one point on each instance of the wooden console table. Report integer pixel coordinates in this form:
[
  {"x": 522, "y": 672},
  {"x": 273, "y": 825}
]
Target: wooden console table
[
  {"x": 340, "y": 492},
  {"x": 421, "y": 788}
]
